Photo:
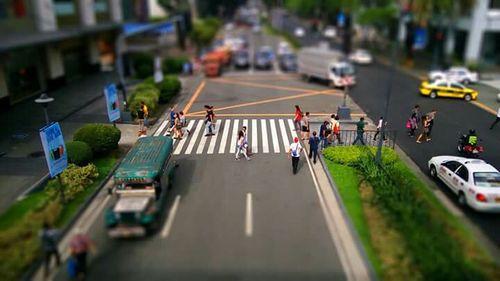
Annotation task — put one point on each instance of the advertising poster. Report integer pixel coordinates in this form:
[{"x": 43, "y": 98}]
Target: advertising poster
[
  {"x": 54, "y": 148},
  {"x": 420, "y": 38},
  {"x": 112, "y": 102}
]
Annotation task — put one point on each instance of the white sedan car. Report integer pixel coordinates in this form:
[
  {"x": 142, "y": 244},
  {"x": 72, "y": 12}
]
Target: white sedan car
[
  {"x": 458, "y": 74},
  {"x": 475, "y": 182},
  {"x": 361, "y": 57}
]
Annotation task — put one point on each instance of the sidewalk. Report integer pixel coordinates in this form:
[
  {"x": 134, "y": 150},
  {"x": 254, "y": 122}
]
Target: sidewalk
[{"x": 23, "y": 164}]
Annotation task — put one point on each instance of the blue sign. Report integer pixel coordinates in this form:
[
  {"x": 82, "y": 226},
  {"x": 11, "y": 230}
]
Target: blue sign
[
  {"x": 420, "y": 40},
  {"x": 341, "y": 19},
  {"x": 130, "y": 28},
  {"x": 54, "y": 148},
  {"x": 112, "y": 102}
]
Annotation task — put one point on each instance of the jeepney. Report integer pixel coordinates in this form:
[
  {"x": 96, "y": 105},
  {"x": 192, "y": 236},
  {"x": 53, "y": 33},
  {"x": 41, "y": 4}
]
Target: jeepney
[{"x": 141, "y": 183}]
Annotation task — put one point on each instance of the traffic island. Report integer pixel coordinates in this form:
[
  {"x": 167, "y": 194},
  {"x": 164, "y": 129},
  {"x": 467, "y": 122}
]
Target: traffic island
[{"x": 406, "y": 232}]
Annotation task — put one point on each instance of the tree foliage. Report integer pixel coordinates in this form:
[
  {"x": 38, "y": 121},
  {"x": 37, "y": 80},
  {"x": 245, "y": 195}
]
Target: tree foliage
[{"x": 204, "y": 31}]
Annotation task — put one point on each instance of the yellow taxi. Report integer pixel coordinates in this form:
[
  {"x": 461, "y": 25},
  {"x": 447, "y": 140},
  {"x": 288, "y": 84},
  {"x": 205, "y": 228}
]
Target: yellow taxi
[{"x": 448, "y": 89}]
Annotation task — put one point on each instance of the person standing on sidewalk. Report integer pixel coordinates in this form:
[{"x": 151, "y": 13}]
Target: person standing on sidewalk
[
  {"x": 48, "y": 238},
  {"x": 146, "y": 114},
  {"x": 336, "y": 130},
  {"x": 305, "y": 127},
  {"x": 294, "y": 153},
  {"x": 323, "y": 136},
  {"x": 497, "y": 119},
  {"x": 379, "y": 128},
  {"x": 297, "y": 118},
  {"x": 140, "y": 117},
  {"x": 80, "y": 245},
  {"x": 360, "y": 130},
  {"x": 313, "y": 146}
]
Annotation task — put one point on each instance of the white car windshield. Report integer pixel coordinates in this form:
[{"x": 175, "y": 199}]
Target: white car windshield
[{"x": 487, "y": 179}]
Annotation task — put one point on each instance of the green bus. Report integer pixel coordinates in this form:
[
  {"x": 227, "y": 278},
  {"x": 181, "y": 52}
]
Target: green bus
[{"x": 141, "y": 183}]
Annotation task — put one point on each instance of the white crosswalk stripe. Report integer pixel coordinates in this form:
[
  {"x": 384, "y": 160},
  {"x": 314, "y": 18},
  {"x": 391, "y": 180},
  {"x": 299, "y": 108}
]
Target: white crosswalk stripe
[{"x": 264, "y": 136}]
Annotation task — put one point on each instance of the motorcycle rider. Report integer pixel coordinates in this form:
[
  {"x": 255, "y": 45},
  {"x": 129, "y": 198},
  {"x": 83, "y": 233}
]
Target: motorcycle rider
[{"x": 472, "y": 138}]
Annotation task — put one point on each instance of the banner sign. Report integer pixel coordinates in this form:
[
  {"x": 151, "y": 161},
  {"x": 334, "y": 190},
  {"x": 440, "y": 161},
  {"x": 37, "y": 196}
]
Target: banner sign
[
  {"x": 54, "y": 148},
  {"x": 420, "y": 39},
  {"x": 131, "y": 28},
  {"x": 112, "y": 103}
]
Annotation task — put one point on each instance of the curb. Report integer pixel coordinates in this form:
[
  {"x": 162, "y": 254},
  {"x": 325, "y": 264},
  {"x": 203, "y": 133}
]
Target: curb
[
  {"x": 348, "y": 220},
  {"x": 38, "y": 263}
]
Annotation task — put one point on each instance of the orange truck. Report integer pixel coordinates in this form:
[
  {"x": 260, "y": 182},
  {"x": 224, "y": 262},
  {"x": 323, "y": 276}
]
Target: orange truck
[{"x": 212, "y": 64}]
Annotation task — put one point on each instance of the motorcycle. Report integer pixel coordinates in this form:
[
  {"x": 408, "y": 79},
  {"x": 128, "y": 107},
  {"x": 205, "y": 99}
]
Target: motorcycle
[{"x": 468, "y": 150}]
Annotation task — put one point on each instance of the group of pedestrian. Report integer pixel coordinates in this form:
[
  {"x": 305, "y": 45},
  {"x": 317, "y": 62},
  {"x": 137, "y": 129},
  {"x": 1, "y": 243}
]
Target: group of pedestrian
[
  {"x": 423, "y": 123},
  {"x": 302, "y": 123},
  {"x": 177, "y": 124},
  {"x": 80, "y": 244}
]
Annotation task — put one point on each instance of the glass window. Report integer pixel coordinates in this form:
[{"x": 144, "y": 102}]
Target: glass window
[
  {"x": 494, "y": 4},
  {"x": 452, "y": 165},
  {"x": 457, "y": 86},
  {"x": 101, "y": 6},
  {"x": 487, "y": 179},
  {"x": 64, "y": 7},
  {"x": 463, "y": 173},
  {"x": 442, "y": 84}
]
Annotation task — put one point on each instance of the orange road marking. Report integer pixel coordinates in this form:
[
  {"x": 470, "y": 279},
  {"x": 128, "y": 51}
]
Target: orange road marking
[
  {"x": 268, "y": 114},
  {"x": 194, "y": 97},
  {"x": 263, "y": 78},
  {"x": 307, "y": 94},
  {"x": 256, "y": 85},
  {"x": 484, "y": 107}
]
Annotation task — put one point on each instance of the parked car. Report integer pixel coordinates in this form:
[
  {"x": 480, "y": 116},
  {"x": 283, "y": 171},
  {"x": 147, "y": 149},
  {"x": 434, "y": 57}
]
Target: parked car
[
  {"x": 475, "y": 182},
  {"x": 241, "y": 59},
  {"x": 458, "y": 74},
  {"x": 264, "y": 58},
  {"x": 330, "y": 32},
  {"x": 299, "y": 32},
  {"x": 288, "y": 62},
  {"x": 447, "y": 88},
  {"x": 361, "y": 56}
]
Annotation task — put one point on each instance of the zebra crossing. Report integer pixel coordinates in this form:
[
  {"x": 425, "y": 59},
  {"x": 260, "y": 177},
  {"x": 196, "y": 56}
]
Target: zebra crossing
[{"x": 264, "y": 136}]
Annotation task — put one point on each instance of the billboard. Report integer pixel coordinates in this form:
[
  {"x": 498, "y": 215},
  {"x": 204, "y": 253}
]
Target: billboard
[
  {"x": 54, "y": 148},
  {"x": 112, "y": 102}
]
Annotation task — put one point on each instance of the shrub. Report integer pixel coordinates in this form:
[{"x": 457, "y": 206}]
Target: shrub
[
  {"x": 146, "y": 89},
  {"x": 169, "y": 87},
  {"x": 173, "y": 65},
  {"x": 150, "y": 101},
  {"x": 79, "y": 153},
  {"x": 100, "y": 137},
  {"x": 143, "y": 65},
  {"x": 351, "y": 155},
  {"x": 75, "y": 180}
]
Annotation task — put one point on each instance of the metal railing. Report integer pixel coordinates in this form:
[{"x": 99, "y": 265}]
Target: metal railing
[{"x": 348, "y": 136}]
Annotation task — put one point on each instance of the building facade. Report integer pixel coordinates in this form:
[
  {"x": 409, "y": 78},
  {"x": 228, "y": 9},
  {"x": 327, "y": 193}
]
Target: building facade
[{"x": 45, "y": 44}]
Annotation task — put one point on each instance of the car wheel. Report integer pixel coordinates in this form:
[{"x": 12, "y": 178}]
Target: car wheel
[
  {"x": 433, "y": 95},
  {"x": 467, "y": 97},
  {"x": 462, "y": 200},
  {"x": 466, "y": 82},
  {"x": 433, "y": 171}
]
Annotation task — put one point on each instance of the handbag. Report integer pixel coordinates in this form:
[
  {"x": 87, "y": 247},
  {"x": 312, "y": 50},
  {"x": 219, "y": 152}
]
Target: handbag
[{"x": 408, "y": 124}]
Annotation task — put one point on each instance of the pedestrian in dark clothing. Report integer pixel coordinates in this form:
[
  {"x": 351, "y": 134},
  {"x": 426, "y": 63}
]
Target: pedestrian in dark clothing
[
  {"x": 497, "y": 119},
  {"x": 80, "y": 245},
  {"x": 294, "y": 153},
  {"x": 209, "y": 121},
  {"x": 313, "y": 146},
  {"x": 424, "y": 130},
  {"x": 49, "y": 236},
  {"x": 323, "y": 136},
  {"x": 140, "y": 117},
  {"x": 416, "y": 111},
  {"x": 430, "y": 118},
  {"x": 412, "y": 125},
  {"x": 360, "y": 130}
]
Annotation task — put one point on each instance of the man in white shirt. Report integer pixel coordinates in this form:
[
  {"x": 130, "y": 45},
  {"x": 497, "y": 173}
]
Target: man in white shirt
[
  {"x": 294, "y": 153},
  {"x": 496, "y": 120}
]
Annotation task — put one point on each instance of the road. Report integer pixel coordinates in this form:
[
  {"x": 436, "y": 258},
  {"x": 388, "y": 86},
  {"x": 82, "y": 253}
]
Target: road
[{"x": 230, "y": 219}]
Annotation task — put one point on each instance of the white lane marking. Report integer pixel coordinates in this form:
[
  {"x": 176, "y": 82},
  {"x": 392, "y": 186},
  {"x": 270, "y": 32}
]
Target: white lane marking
[
  {"x": 213, "y": 140},
  {"x": 160, "y": 129},
  {"x": 245, "y": 123},
  {"x": 254, "y": 136},
  {"x": 265, "y": 141},
  {"x": 223, "y": 142},
  {"x": 232, "y": 145},
  {"x": 171, "y": 217},
  {"x": 196, "y": 133},
  {"x": 179, "y": 147},
  {"x": 203, "y": 140},
  {"x": 274, "y": 136},
  {"x": 284, "y": 135},
  {"x": 249, "y": 216},
  {"x": 292, "y": 128}
]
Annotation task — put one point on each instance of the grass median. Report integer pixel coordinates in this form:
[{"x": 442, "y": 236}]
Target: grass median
[{"x": 407, "y": 233}]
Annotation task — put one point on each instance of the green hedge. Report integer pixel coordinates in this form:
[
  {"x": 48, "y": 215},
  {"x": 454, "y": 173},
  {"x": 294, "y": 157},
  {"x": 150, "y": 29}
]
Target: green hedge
[
  {"x": 143, "y": 65},
  {"x": 169, "y": 87},
  {"x": 100, "y": 137},
  {"x": 432, "y": 240},
  {"x": 173, "y": 65},
  {"x": 79, "y": 153}
]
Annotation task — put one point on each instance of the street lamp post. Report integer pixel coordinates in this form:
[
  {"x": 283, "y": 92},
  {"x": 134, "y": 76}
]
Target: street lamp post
[{"x": 44, "y": 100}]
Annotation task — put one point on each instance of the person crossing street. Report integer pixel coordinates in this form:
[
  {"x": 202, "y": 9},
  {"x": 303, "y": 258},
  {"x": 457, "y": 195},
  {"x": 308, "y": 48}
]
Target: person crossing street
[{"x": 294, "y": 154}]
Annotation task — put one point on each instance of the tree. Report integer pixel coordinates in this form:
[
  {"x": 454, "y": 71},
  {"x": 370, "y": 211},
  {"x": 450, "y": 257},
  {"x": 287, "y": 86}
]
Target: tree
[{"x": 204, "y": 31}]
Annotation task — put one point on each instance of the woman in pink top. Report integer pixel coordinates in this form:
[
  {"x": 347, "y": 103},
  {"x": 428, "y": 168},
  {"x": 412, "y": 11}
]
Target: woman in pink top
[{"x": 298, "y": 118}]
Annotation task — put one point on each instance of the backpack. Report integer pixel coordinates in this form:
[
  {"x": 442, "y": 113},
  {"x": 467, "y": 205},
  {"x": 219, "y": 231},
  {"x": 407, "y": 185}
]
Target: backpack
[
  {"x": 408, "y": 124},
  {"x": 295, "y": 151}
]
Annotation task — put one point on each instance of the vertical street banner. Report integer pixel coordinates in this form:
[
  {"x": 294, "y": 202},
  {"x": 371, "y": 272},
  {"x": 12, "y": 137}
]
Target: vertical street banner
[
  {"x": 112, "y": 102},
  {"x": 54, "y": 148}
]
